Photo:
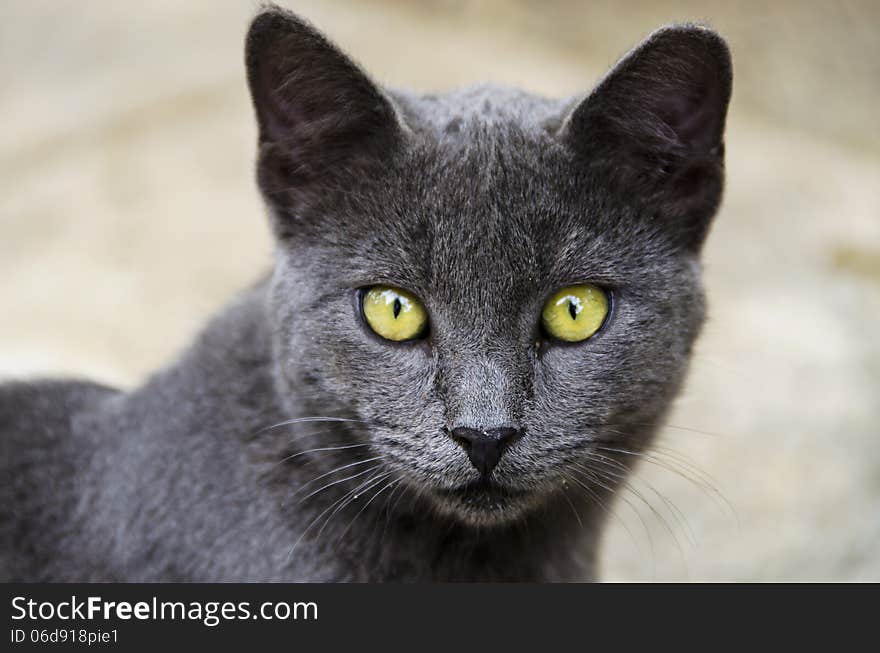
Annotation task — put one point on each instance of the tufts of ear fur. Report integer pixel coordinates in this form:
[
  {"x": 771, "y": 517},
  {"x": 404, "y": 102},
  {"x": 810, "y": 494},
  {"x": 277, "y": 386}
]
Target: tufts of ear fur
[
  {"x": 316, "y": 110},
  {"x": 655, "y": 127}
]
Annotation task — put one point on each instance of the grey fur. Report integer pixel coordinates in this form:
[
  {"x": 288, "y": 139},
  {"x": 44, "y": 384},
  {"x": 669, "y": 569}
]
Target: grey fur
[{"x": 483, "y": 202}]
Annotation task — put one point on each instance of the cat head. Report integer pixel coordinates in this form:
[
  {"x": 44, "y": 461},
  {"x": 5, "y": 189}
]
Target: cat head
[{"x": 502, "y": 289}]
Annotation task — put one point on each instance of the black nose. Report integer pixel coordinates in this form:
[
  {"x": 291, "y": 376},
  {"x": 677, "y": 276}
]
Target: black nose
[{"x": 485, "y": 446}]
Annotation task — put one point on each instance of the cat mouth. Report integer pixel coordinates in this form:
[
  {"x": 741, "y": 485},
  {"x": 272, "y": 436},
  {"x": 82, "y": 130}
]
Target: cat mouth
[{"x": 484, "y": 495}]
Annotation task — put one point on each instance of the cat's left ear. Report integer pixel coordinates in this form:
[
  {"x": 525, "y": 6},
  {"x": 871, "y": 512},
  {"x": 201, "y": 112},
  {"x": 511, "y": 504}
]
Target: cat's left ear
[{"x": 654, "y": 127}]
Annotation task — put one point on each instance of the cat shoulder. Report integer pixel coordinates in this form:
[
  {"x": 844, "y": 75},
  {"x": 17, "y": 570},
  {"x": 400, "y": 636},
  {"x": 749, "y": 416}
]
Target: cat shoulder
[
  {"x": 43, "y": 409},
  {"x": 39, "y": 454}
]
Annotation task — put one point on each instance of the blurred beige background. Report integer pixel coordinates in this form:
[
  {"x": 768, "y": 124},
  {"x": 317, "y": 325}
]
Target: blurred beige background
[{"x": 128, "y": 215}]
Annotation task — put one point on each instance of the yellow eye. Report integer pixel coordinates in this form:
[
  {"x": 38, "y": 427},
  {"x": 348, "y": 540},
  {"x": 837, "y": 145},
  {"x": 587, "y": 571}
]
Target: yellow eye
[
  {"x": 575, "y": 312},
  {"x": 394, "y": 314}
]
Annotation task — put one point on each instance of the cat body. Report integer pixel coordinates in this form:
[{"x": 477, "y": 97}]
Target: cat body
[{"x": 290, "y": 442}]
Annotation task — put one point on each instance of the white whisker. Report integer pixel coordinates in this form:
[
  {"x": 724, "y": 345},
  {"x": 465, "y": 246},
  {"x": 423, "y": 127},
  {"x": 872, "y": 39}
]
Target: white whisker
[{"x": 337, "y": 482}]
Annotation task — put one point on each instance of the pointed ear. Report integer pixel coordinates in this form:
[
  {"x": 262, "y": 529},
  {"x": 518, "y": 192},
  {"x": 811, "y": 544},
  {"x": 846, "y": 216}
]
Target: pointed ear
[
  {"x": 316, "y": 110},
  {"x": 655, "y": 127}
]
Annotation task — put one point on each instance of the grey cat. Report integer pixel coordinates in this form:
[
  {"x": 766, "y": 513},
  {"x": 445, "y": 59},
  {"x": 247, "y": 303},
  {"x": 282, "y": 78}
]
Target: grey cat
[{"x": 481, "y": 308}]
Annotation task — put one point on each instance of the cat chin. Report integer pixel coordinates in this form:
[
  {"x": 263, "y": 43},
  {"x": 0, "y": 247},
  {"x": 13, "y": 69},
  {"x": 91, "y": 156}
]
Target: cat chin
[{"x": 479, "y": 504}]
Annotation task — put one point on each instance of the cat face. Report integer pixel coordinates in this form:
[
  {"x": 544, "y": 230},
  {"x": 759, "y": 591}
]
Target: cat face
[{"x": 477, "y": 207}]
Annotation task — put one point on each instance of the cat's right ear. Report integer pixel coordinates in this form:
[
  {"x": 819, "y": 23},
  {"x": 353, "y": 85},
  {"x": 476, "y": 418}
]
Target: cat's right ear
[{"x": 316, "y": 110}]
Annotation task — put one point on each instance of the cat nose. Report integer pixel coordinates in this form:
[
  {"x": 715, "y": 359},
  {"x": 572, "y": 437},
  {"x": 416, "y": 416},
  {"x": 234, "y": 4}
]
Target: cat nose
[{"x": 485, "y": 446}]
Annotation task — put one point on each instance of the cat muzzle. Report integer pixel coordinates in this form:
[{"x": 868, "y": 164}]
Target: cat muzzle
[{"x": 485, "y": 447}]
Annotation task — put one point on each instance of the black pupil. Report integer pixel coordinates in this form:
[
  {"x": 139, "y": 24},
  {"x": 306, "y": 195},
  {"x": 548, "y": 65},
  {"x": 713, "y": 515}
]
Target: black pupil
[
  {"x": 572, "y": 310},
  {"x": 397, "y": 307}
]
